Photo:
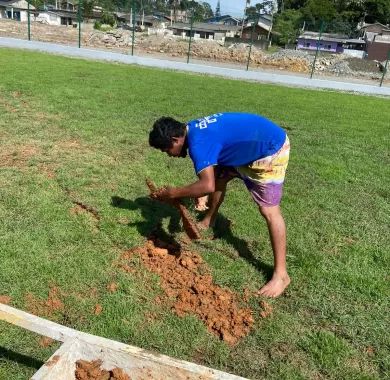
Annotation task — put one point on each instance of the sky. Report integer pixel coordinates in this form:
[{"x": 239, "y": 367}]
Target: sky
[{"x": 231, "y": 7}]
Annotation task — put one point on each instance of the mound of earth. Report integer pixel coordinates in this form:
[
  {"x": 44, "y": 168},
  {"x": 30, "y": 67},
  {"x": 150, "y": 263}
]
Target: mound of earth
[
  {"x": 186, "y": 281},
  {"x": 86, "y": 370},
  {"x": 364, "y": 65}
]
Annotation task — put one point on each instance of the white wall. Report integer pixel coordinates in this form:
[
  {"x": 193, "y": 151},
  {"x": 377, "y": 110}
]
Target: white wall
[
  {"x": 48, "y": 18},
  {"x": 354, "y": 53},
  {"x": 23, "y": 14}
]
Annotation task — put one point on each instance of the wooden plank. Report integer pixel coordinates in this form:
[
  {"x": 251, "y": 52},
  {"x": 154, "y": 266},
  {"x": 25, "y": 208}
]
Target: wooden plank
[{"x": 112, "y": 348}]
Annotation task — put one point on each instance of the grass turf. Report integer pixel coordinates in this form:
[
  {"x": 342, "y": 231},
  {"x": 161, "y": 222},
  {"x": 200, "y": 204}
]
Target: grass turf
[{"x": 77, "y": 130}]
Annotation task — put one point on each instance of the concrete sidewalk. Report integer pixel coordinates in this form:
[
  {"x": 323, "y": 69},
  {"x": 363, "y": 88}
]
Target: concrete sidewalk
[{"x": 258, "y": 76}]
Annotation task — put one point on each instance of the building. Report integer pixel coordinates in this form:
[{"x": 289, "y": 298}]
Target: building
[
  {"x": 377, "y": 38},
  {"x": 15, "y": 9},
  {"x": 332, "y": 43},
  {"x": 57, "y": 17},
  {"x": 379, "y": 48},
  {"x": 224, "y": 20},
  {"x": 256, "y": 32},
  {"x": 355, "y": 47},
  {"x": 147, "y": 21},
  {"x": 205, "y": 30},
  {"x": 370, "y": 30}
]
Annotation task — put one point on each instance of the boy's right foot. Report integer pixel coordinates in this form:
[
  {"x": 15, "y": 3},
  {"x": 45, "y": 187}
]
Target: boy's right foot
[{"x": 205, "y": 224}]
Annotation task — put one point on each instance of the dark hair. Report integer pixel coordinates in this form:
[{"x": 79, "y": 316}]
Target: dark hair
[{"x": 164, "y": 129}]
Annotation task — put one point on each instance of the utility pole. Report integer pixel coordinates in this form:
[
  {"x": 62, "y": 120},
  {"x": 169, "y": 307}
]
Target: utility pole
[
  {"x": 133, "y": 24},
  {"x": 385, "y": 68},
  {"x": 255, "y": 22},
  {"x": 318, "y": 48},
  {"x": 79, "y": 17},
  {"x": 189, "y": 44},
  {"x": 28, "y": 20}
]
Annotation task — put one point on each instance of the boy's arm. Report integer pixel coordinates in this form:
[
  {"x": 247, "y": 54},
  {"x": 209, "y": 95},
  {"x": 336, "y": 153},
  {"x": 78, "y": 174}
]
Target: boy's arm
[{"x": 204, "y": 185}]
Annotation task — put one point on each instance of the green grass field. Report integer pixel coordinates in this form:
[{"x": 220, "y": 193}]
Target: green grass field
[{"x": 74, "y": 130}]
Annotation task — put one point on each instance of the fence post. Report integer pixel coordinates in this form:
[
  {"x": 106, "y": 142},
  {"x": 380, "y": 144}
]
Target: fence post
[
  {"x": 385, "y": 69},
  {"x": 255, "y": 22},
  {"x": 79, "y": 19},
  {"x": 28, "y": 21},
  {"x": 189, "y": 44},
  {"x": 133, "y": 25},
  {"x": 318, "y": 48}
]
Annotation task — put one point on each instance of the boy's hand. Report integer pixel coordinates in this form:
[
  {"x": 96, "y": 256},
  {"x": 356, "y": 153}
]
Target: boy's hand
[{"x": 164, "y": 194}]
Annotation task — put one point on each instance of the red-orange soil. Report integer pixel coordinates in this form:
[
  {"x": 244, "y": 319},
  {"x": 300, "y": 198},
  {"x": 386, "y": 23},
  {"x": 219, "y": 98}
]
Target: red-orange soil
[
  {"x": 45, "y": 341},
  {"x": 112, "y": 287},
  {"x": 91, "y": 371},
  {"x": 98, "y": 309},
  {"x": 45, "y": 308},
  {"x": 189, "y": 225},
  {"x": 267, "y": 309},
  {"x": 5, "y": 299},
  {"x": 54, "y": 360},
  {"x": 186, "y": 281}
]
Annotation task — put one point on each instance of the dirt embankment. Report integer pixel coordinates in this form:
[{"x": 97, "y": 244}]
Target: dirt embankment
[{"x": 297, "y": 61}]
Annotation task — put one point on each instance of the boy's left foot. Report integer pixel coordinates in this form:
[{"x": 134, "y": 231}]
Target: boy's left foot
[
  {"x": 201, "y": 203},
  {"x": 276, "y": 286}
]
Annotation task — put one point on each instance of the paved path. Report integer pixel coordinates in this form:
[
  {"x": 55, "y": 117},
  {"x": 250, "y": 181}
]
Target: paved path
[{"x": 289, "y": 80}]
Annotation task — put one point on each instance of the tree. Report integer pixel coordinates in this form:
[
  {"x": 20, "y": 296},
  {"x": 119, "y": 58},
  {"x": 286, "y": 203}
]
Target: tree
[
  {"x": 316, "y": 10},
  {"x": 88, "y": 8},
  {"x": 267, "y": 7},
  {"x": 377, "y": 11},
  {"x": 288, "y": 24},
  {"x": 207, "y": 10},
  {"x": 199, "y": 11}
]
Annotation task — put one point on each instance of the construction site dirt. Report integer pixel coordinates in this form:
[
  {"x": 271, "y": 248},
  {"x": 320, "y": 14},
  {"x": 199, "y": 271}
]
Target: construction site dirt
[{"x": 169, "y": 47}]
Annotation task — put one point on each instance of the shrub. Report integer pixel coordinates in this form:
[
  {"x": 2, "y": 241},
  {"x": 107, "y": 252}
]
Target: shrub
[{"x": 107, "y": 18}]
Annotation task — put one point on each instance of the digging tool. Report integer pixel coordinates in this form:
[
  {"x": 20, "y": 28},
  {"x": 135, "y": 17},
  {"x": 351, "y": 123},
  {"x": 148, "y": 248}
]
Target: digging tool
[{"x": 189, "y": 224}]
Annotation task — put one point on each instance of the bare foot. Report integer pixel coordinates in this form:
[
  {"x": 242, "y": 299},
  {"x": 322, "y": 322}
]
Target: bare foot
[
  {"x": 201, "y": 203},
  {"x": 201, "y": 207},
  {"x": 205, "y": 224},
  {"x": 276, "y": 286}
]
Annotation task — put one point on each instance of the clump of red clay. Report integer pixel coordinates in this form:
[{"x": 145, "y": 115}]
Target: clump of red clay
[
  {"x": 86, "y": 370},
  {"x": 5, "y": 299},
  {"x": 45, "y": 341},
  {"x": 185, "y": 279}
]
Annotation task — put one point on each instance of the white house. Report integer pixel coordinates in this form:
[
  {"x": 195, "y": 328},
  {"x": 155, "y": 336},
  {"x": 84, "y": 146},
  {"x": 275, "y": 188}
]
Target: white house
[
  {"x": 57, "y": 17},
  {"x": 14, "y": 9}
]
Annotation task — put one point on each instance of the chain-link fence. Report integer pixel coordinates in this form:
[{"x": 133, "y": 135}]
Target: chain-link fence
[{"x": 253, "y": 41}]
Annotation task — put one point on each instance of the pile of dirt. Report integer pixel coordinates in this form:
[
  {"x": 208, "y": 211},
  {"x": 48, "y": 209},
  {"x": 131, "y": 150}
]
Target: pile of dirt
[
  {"x": 185, "y": 279},
  {"x": 86, "y": 370},
  {"x": 365, "y": 65}
]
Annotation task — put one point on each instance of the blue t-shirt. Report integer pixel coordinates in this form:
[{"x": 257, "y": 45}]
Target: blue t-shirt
[{"x": 232, "y": 139}]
